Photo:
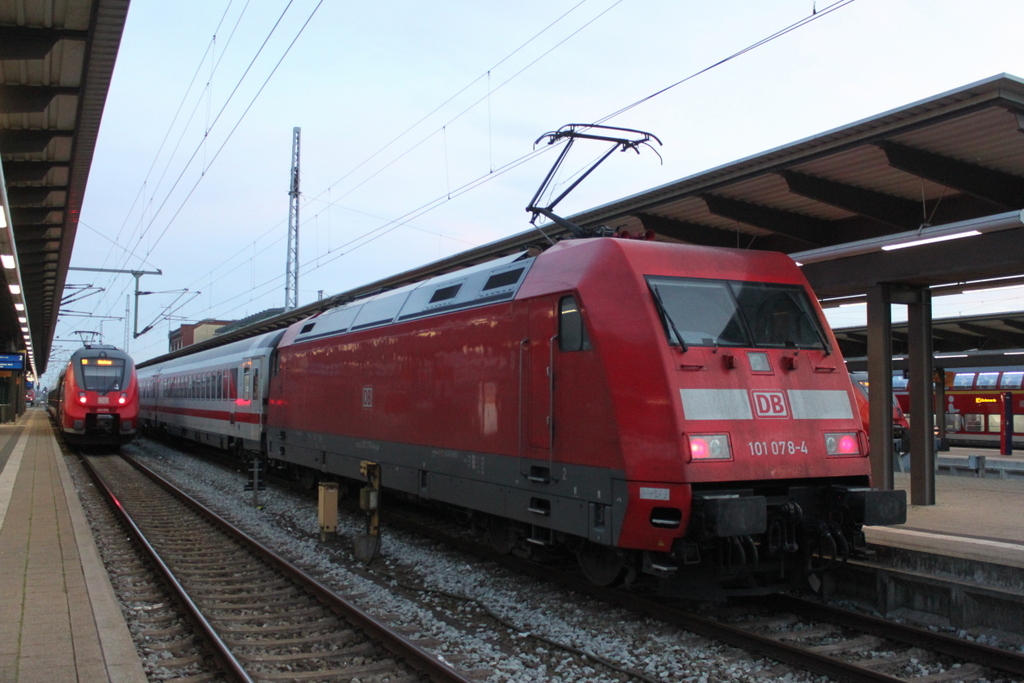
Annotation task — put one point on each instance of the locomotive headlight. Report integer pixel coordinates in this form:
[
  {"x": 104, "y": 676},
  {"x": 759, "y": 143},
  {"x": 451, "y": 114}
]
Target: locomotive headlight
[
  {"x": 123, "y": 399},
  {"x": 81, "y": 397},
  {"x": 843, "y": 443},
  {"x": 710, "y": 447}
]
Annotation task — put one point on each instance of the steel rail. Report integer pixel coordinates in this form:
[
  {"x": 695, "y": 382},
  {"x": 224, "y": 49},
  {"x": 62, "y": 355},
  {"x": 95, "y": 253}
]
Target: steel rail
[
  {"x": 986, "y": 655},
  {"x": 228, "y": 660},
  {"x": 403, "y": 649},
  {"x": 770, "y": 647}
]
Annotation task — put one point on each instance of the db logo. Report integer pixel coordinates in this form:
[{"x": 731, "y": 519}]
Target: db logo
[
  {"x": 367, "y": 397},
  {"x": 770, "y": 404}
]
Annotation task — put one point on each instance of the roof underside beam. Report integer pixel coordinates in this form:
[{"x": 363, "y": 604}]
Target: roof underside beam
[
  {"x": 21, "y": 42},
  {"x": 28, "y": 141},
  {"x": 1001, "y": 336},
  {"x": 708, "y": 236},
  {"x": 962, "y": 341},
  {"x": 809, "y": 230},
  {"x": 985, "y": 183},
  {"x": 877, "y": 206},
  {"x": 31, "y": 99},
  {"x": 29, "y": 171}
]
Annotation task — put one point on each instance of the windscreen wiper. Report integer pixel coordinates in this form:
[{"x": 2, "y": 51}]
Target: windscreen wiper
[
  {"x": 668, "y": 318},
  {"x": 814, "y": 325}
]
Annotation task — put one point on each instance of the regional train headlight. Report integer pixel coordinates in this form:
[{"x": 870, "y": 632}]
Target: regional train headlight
[
  {"x": 123, "y": 399},
  {"x": 842, "y": 443},
  {"x": 710, "y": 447},
  {"x": 81, "y": 397}
]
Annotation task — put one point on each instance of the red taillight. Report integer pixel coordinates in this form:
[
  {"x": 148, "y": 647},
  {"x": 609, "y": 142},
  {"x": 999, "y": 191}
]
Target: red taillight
[
  {"x": 842, "y": 444},
  {"x": 123, "y": 399},
  {"x": 710, "y": 447},
  {"x": 81, "y": 397}
]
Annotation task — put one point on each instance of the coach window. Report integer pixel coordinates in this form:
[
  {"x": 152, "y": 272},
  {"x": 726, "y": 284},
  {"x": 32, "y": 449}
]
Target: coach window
[
  {"x": 974, "y": 422},
  {"x": 963, "y": 380},
  {"x": 572, "y": 334},
  {"x": 995, "y": 422},
  {"x": 987, "y": 380},
  {"x": 233, "y": 384},
  {"x": 246, "y": 384},
  {"x": 1011, "y": 380}
]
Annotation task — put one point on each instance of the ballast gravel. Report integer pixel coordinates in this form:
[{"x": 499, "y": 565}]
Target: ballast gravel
[{"x": 544, "y": 633}]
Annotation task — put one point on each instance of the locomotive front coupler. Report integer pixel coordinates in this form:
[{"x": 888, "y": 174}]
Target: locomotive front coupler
[{"x": 870, "y": 506}]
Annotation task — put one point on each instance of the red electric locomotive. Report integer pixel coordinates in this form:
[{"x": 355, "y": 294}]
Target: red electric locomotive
[
  {"x": 675, "y": 410},
  {"x": 96, "y": 401}
]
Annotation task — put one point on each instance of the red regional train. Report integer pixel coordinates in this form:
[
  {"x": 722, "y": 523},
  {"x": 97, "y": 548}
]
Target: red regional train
[
  {"x": 974, "y": 404},
  {"x": 666, "y": 409},
  {"x": 96, "y": 400}
]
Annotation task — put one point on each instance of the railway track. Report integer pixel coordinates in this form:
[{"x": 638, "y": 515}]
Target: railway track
[
  {"x": 813, "y": 636},
  {"x": 264, "y": 620}
]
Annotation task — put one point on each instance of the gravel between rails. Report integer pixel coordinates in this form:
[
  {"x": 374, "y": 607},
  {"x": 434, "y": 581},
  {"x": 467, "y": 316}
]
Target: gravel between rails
[{"x": 536, "y": 620}]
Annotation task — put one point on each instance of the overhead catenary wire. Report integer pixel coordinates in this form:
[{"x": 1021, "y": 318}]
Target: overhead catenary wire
[
  {"x": 231, "y": 133},
  {"x": 381, "y": 230}
]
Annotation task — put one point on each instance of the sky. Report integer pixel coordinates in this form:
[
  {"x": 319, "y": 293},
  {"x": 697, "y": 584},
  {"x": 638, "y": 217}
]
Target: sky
[{"x": 418, "y": 121}]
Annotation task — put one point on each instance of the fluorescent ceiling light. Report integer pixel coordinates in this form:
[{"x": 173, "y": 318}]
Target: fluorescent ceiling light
[
  {"x": 22, "y": 319},
  {"x": 19, "y": 307},
  {"x": 15, "y": 289},
  {"x": 8, "y": 261},
  {"x": 3, "y": 218},
  {"x": 931, "y": 240},
  {"x": 955, "y": 355},
  {"x": 1013, "y": 353}
]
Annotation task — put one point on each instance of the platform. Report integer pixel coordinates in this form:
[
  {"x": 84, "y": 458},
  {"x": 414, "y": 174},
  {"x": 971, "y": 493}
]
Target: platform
[
  {"x": 61, "y": 620},
  {"x": 974, "y": 518}
]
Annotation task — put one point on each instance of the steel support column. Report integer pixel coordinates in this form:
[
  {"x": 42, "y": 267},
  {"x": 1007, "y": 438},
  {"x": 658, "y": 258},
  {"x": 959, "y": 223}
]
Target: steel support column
[
  {"x": 941, "y": 406},
  {"x": 922, "y": 416},
  {"x": 880, "y": 384}
]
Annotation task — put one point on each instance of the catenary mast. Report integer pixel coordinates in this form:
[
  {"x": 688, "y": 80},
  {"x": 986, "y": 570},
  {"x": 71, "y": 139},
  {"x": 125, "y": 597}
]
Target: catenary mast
[{"x": 291, "y": 280}]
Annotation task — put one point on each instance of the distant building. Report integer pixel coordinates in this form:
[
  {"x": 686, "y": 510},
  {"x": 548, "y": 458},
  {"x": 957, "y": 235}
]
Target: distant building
[{"x": 193, "y": 333}]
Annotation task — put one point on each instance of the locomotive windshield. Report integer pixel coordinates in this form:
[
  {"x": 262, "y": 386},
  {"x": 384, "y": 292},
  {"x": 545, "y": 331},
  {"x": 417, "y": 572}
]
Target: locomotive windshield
[
  {"x": 736, "y": 313},
  {"x": 103, "y": 374}
]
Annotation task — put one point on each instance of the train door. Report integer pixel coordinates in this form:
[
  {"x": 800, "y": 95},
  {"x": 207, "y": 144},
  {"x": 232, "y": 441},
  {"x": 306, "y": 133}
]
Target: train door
[
  {"x": 248, "y": 418},
  {"x": 536, "y": 389}
]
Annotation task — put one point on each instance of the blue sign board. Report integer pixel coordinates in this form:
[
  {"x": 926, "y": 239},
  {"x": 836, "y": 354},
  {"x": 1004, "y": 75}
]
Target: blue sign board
[{"x": 12, "y": 361}]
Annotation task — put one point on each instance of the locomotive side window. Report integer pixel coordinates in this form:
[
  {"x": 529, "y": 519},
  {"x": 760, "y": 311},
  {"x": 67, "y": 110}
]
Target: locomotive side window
[
  {"x": 572, "y": 334},
  {"x": 102, "y": 374},
  {"x": 1011, "y": 380},
  {"x": 731, "y": 313},
  {"x": 445, "y": 293}
]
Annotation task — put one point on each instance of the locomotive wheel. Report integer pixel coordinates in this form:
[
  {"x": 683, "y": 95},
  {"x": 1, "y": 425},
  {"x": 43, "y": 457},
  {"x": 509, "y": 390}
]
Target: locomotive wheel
[
  {"x": 306, "y": 477},
  {"x": 602, "y": 565},
  {"x": 502, "y": 535}
]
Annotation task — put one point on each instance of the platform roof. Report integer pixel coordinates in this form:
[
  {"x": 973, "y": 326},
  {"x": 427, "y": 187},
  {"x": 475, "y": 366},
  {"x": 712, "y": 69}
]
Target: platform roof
[
  {"x": 964, "y": 341},
  {"x": 56, "y": 60}
]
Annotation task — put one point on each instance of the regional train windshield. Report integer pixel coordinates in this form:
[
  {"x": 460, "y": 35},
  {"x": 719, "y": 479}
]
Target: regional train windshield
[
  {"x": 736, "y": 313},
  {"x": 103, "y": 374}
]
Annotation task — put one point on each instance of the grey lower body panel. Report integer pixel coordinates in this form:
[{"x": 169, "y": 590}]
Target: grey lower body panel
[{"x": 567, "y": 501}]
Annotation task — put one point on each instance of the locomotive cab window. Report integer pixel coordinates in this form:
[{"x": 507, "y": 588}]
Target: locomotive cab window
[
  {"x": 572, "y": 333},
  {"x": 735, "y": 313},
  {"x": 102, "y": 374}
]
